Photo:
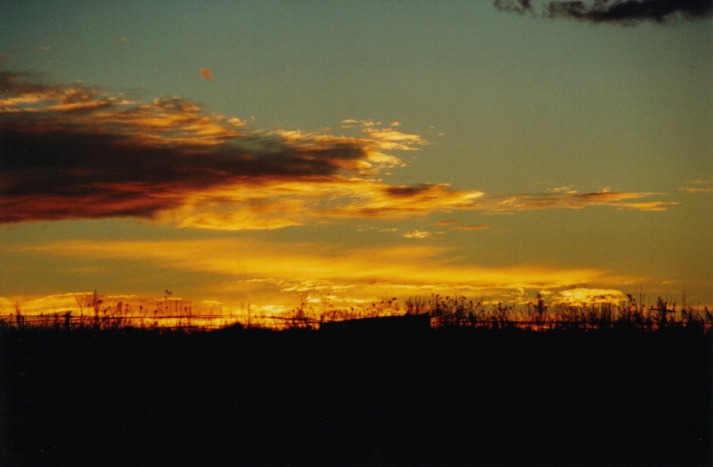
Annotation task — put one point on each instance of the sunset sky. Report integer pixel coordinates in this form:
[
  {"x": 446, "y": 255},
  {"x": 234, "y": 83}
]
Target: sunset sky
[{"x": 248, "y": 152}]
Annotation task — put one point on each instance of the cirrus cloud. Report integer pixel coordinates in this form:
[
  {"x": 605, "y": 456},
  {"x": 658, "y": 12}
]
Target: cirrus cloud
[
  {"x": 697, "y": 186},
  {"x": 571, "y": 199}
]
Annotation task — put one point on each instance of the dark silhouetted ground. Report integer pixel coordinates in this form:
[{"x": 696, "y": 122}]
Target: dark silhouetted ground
[{"x": 355, "y": 397}]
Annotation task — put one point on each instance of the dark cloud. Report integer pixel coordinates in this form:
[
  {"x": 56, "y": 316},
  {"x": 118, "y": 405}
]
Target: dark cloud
[
  {"x": 514, "y": 6},
  {"x": 73, "y": 152},
  {"x": 630, "y": 11},
  {"x": 625, "y": 12},
  {"x": 106, "y": 171},
  {"x": 70, "y": 152},
  {"x": 408, "y": 191}
]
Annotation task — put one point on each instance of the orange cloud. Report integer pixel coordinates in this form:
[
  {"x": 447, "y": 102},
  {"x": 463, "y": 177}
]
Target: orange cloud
[
  {"x": 60, "y": 303},
  {"x": 386, "y": 138},
  {"x": 281, "y": 202},
  {"x": 569, "y": 199},
  {"x": 142, "y": 159},
  {"x": 206, "y": 73},
  {"x": 74, "y": 152},
  {"x": 360, "y": 272},
  {"x": 582, "y": 296},
  {"x": 698, "y": 186},
  {"x": 418, "y": 234},
  {"x": 447, "y": 222},
  {"x": 472, "y": 227}
]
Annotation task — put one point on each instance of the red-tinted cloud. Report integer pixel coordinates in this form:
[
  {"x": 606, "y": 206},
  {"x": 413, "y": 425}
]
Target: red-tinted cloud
[
  {"x": 70, "y": 151},
  {"x": 74, "y": 152}
]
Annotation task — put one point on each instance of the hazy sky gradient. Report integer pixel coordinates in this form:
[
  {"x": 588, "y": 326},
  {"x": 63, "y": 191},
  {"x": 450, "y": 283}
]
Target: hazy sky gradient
[{"x": 508, "y": 153}]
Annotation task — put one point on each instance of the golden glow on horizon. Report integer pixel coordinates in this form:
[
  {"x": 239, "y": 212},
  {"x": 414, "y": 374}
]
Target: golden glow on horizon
[
  {"x": 581, "y": 296},
  {"x": 358, "y": 273}
]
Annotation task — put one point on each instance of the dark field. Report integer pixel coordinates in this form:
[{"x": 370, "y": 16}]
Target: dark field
[{"x": 355, "y": 397}]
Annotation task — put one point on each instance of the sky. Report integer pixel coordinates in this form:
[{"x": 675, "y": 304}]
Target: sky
[{"x": 261, "y": 153}]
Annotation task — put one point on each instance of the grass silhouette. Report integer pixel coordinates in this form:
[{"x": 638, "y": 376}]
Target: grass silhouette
[
  {"x": 445, "y": 311},
  {"x": 353, "y": 395}
]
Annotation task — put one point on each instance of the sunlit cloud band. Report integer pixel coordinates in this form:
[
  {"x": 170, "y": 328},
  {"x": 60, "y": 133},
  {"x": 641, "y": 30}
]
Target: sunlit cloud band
[{"x": 71, "y": 151}]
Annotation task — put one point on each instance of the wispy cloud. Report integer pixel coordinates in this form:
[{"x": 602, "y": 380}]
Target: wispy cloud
[
  {"x": 387, "y": 137},
  {"x": 472, "y": 227},
  {"x": 514, "y": 6},
  {"x": 447, "y": 222},
  {"x": 568, "y": 190},
  {"x": 418, "y": 234},
  {"x": 74, "y": 152},
  {"x": 570, "y": 199},
  {"x": 582, "y": 296},
  {"x": 455, "y": 225},
  {"x": 698, "y": 186},
  {"x": 363, "y": 271},
  {"x": 289, "y": 202},
  {"x": 625, "y": 12}
]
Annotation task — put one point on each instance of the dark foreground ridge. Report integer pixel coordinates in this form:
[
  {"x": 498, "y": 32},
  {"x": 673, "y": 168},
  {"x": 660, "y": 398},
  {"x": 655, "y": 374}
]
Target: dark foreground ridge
[{"x": 353, "y": 396}]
